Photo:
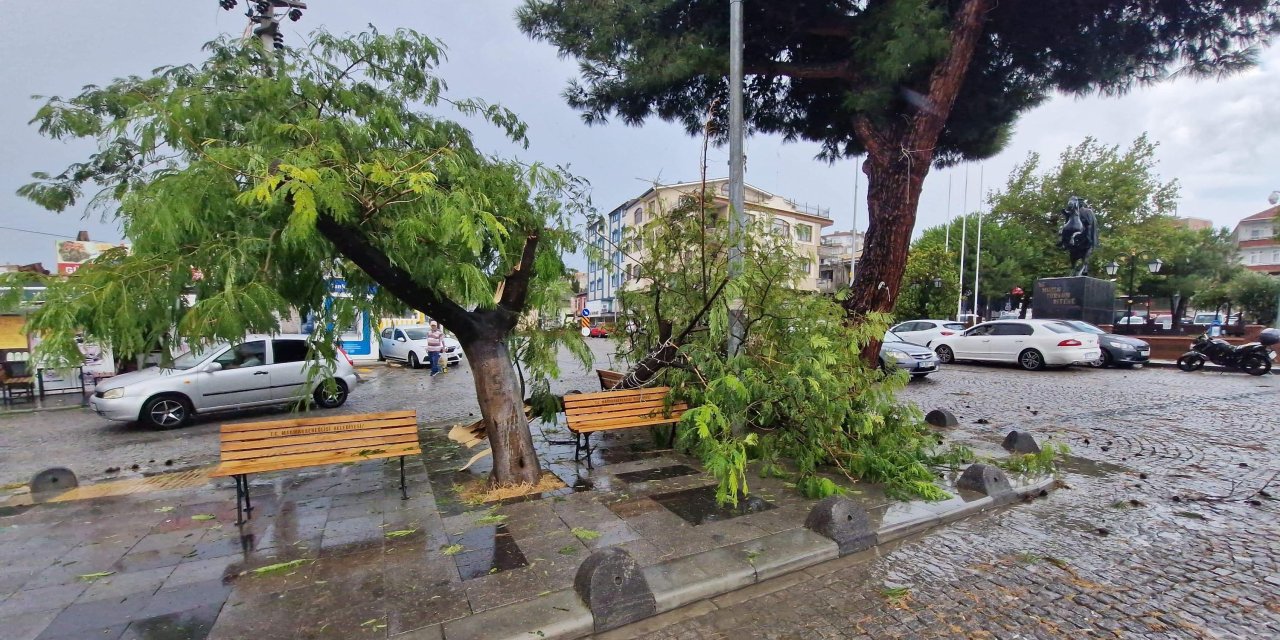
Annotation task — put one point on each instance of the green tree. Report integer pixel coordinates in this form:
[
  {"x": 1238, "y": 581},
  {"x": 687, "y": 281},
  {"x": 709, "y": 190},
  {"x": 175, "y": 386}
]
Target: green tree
[
  {"x": 908, "y": 83},
  {"x": 1255, "y": 295},
  {"x": 920, "y": 296},
  {"x": 253, "y": 190}
]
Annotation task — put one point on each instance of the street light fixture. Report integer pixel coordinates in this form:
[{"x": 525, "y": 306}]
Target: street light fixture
[
  {"x": 937, "y": 283},
  {"x": 1113, "y": 268}
]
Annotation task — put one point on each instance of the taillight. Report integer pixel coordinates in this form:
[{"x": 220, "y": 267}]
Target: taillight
[
  {"x": 948, "y": 333},
  {"x": 1069, "y": 343},
  {"x": 349, "y": 360}
]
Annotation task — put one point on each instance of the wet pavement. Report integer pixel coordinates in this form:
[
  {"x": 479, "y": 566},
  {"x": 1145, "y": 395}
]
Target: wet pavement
[{"x": 1161, "y": 531}]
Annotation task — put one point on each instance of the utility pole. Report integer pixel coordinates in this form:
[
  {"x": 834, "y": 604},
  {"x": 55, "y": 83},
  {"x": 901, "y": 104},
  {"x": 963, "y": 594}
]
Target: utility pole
[
  {"x": 264, "y": 19},
  {"x": 853, "y": 249},
  {"x": 737, "y": 188},
  {"x": 964, "y": 219},
  {"x": 977, "y": 257}
]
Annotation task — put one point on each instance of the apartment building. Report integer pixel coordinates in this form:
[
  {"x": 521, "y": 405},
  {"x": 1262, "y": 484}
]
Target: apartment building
[
  {"x": 1255, "y": 236},
  {"x": 609, "y": 270},
  {"x": 836, "y": 254}
]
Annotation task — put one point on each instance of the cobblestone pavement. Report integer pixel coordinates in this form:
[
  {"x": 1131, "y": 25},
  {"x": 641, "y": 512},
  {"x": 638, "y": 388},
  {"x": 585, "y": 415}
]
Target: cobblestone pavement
[
  {"x": 1160, "y": 533},
  {"x": 89, "y": 445}
]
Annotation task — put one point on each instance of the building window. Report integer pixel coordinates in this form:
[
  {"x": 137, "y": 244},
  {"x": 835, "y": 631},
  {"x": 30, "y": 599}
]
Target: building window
[
  {"x": 1256, "y": 233},
  {"x": 651, "y": 206},
  {"x": 804, "y": 233},
  {"x": 1253, "y": 257},
  {"x": 1275, "y": 257},
  {"x": 781, "y": 228},
  {"x": 808, "y": 266},
  {"x": 639, "y": 215}
]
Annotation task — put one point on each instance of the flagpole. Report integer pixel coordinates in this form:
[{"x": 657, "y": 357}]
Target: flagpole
[{"x": 964, "y": 223}]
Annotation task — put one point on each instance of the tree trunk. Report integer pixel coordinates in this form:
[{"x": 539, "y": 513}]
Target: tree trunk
[
  {"x": 893, "y": 191},
  {"x": 502, "y": 409}
]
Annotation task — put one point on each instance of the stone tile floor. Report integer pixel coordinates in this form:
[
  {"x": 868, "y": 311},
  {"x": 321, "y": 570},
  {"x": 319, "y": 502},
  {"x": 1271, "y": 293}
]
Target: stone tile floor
[{"x": 334, "y": 552}]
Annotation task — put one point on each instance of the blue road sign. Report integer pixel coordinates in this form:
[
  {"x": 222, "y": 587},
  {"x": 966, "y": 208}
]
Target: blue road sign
[{"x": 586, "y": 313}]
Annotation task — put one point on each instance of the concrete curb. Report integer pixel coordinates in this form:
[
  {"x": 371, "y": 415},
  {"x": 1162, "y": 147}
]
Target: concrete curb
[{"x": 700, "y": 577}]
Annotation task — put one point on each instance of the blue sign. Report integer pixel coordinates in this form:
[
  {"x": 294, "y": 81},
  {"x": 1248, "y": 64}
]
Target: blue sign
[{"x": 586, "y": 313}]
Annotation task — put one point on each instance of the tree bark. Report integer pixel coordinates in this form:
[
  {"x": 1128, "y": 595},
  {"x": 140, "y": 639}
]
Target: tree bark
[
  {"x": 899, "y": 155},
  {"x": 502, "y": 410}
]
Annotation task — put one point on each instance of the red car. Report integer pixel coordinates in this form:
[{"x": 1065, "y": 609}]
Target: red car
[{"x": 599, "y": 332}]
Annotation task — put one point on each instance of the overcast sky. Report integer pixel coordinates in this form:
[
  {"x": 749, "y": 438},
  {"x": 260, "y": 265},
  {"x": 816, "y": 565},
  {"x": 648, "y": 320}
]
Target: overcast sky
[{"x": 1219, "y": 139}]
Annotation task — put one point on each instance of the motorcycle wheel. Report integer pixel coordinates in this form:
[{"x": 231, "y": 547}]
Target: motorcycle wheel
[
  {"x": 1256, "y": 365},
  {"x": 1191, "y": 363}
]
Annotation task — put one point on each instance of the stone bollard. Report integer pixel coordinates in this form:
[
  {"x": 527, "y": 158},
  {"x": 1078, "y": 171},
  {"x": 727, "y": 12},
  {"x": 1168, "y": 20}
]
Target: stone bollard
[
  {"x": 51, "y": 482},
  {"x": 988, "y": 480},
  {"x": 844, "y": 522},
  {"x": 941, "y": 418},
  {"x": 612, "y": 586},
  {"x": 1020, "y": 442}
]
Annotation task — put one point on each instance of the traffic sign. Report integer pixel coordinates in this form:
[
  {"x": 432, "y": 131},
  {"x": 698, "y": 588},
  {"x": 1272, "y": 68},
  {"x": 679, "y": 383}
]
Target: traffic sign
[
  {"x": 586, "y": 313},
  {"x": 586, "y": 333},
  {"x": 585, "y": 322}
]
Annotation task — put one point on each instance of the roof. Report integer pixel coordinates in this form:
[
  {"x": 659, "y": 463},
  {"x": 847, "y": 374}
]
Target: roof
[{"x": 1265, "y": 214}]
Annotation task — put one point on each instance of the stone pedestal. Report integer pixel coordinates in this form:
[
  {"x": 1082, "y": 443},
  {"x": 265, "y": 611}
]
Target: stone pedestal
[{"x": 1077, "y": 298}]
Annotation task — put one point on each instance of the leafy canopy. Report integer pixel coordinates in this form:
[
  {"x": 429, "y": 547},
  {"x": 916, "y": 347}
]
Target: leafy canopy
[
  {"x": 249, "y": 181},
  {"x": 816, "y": 67}
]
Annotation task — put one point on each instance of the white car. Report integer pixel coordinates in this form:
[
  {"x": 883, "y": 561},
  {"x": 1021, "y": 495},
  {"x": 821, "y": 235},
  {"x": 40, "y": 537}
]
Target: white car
[
  {"x": 409, "y": 345},
  {"x": 261, "y": 371},
  {"x": 1033, "y": 344},
  {"x": 924, "y": 332}
]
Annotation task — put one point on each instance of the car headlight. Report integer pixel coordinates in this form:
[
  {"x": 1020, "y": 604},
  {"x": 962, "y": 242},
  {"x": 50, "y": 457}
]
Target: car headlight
[
  {"x": 899, "y": 355},
  {"x": 1123, "y": 346},
  {"x": 112, "y": 394}
]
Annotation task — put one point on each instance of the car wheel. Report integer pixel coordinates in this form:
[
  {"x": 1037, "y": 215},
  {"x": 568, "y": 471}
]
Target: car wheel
[
  {"x": 381, "y": 358},
  {"x": 1103, "y": 361},
  {"x": 1256, "y": 365},
  {"x": 413, "y": 361},
  {"x": 1191, "y": 363},
  {"x": 168, "y": 411},
  {"x": 331, "y": 398},
  {"x": 919, "y": 376},
  {"x": 945, "y": 354},
  {"x": 1031, "y": 360}
]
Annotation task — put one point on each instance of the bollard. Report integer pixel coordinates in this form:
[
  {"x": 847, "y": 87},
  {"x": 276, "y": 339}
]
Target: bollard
[
  {"x": 1020, "y": 442},
  {"x": 52, "y": 481},
  {"x": 844, "y": 522},
  {"x": 988, "y": 480},
  {"x": 611, "y": 585},
  {"x": 941, "y": 418}
]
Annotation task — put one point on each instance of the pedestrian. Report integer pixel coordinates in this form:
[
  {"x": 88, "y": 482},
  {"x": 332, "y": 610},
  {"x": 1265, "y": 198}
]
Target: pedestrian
[{"x": 435, "y": 346}]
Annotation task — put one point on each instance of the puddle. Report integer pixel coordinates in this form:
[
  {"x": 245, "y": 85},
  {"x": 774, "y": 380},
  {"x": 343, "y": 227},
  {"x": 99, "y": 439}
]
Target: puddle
[
  {"x": 699, "y": 505},
  {"x": 660, "y": 473},
  {"x": 1091, "y": 468},
  {"x": 487, "y": 550}
]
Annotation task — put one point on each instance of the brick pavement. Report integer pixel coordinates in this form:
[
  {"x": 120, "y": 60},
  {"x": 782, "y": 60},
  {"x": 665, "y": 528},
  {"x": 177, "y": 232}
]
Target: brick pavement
[{"x": 1141, "y": 544}]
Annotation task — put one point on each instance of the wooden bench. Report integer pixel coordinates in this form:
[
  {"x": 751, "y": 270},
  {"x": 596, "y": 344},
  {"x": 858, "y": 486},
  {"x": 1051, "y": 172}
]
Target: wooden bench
[
  {"x": 609, "y": 379},
  {"x": 258, "y": 447},
  {"x": 588, "y": 413}
]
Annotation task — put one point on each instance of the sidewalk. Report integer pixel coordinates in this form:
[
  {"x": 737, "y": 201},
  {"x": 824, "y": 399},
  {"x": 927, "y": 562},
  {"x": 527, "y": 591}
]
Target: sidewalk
[{"x": 334, "y": 552}]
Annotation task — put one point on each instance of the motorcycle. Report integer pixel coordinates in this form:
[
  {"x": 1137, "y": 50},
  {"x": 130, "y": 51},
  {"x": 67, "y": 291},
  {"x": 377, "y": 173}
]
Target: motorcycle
[{"x": 1253, "y": 358}]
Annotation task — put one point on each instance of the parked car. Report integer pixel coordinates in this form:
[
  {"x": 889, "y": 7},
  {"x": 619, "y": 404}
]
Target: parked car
[
  {"x": 1116, "y": 350},
  {"x": 1206, "y": 319},
  {"x": 260, "y": 371},
  {"x": 1033, "y": 344},
  {"x": 895, "y": 352},
  {"x": 408, "y": 344},
  {"x": 924, "y": 332},
  {"x": 599, "y": 331}
]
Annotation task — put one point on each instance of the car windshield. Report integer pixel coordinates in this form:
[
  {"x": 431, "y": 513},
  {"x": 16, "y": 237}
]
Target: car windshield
[
  {"x": 195, "y": 357},
  {"x": 1061, "y": 327},
  {"x": 954, "y": 326},
  {"x": 1085, "y": 327},
  {"x": 890, "y": 336},
  {"x": 416, "y": 334}
]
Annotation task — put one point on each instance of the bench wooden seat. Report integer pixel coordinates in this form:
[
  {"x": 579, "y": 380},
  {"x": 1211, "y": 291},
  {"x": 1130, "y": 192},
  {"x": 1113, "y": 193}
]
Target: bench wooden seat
[
  {"x": 588, "y": 413},
  {"x": 609, "y": 379},
  {"x": 278, "y": 445}
]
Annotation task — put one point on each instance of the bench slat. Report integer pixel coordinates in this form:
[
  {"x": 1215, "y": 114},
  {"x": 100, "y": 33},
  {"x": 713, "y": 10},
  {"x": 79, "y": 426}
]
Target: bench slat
[
  {"x": 628, "y": 425},
  {"x": 316, "y": 431},
  {"x": 296, "y": 461},
  {"x": 616, "y": 406},
  {"x": 316, "y": 421},
  {"x": 609, "y": 420},
  {"x": 316, "y": 438},
  {"x": 315, "y": 447},
  {"x": 676, "y": 409},
  {"x": 608, "y": 398}
]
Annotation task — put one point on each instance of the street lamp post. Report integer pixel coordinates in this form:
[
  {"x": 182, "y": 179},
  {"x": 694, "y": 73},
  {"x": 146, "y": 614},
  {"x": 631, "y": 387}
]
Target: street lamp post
[{"x": 1114, "y": 267}]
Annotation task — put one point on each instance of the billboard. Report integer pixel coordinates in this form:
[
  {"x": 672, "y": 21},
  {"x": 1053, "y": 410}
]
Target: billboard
[{"x": 73, "y": 253}]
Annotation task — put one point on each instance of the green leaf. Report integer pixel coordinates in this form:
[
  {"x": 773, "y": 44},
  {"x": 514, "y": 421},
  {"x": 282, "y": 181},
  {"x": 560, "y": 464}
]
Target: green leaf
[
  {"x": 90, "y": 577},
  {"x": 277, "y": 567},
  {"x": 201, "y": 517}
]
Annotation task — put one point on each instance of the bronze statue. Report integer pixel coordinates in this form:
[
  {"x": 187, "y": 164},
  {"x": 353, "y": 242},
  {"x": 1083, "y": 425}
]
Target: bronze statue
[{"x": 1079, "y": 235}]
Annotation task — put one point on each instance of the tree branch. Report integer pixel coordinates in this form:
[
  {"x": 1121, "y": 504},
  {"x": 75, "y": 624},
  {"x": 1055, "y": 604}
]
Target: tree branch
[
  {"x": 842, "y": 70},
  {"x": 355, "y": 246},
  {"x": 948, "y": 77},
  {"x": 514, "y": 290}
]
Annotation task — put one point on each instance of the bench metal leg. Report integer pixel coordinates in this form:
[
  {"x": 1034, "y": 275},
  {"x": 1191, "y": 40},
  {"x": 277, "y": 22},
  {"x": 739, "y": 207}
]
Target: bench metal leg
[
  {"x": 671, "y": 440},
  {"x": 239, "y": 501},
  {"x": 404, "y": 492},
  {"x": 248, "y": 502}
]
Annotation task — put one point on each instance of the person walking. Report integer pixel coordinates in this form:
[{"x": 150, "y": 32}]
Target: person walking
[{"x": 435, "y": 346}]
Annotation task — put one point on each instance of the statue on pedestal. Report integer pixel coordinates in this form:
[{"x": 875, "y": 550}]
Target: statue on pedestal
[{"x": 1079, "y": 234}]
